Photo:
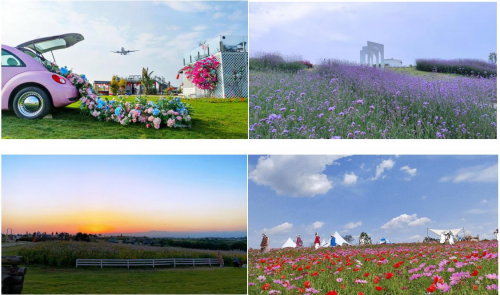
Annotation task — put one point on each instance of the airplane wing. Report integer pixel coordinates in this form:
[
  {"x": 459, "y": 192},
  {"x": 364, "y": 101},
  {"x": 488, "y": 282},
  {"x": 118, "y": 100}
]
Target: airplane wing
[
  {"x": 115, "y": 51},
  {"x": 132, "y": 50}
]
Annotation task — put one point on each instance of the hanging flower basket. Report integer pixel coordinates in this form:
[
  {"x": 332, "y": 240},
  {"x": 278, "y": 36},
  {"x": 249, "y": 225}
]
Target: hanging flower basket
[{"x": 203, "y": 73}]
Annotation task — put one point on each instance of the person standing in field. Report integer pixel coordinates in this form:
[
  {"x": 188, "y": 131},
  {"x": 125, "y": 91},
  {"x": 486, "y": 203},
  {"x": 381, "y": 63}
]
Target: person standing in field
[
  {"x": 317, "y": 241},
  {"x": 220, "y": 259},
  {"x": 332, "y": 241},
  {"x": 299, "y": 241},
  {"x": 264, "y": 244}
]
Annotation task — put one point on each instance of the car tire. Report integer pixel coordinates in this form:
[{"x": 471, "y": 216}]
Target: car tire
[{"x": 31, "y": 102}]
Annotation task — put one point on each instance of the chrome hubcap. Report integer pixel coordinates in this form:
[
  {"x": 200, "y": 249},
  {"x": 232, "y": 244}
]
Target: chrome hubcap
[{"x": 30, "y": 104}]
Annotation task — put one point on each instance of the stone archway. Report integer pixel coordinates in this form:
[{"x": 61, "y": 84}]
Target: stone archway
[{"x": 371, "y": 50}]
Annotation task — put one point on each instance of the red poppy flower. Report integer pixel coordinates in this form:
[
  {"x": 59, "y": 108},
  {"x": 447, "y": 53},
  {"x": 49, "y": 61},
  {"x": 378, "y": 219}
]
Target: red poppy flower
[
  {"x": 376, "y": 279},
  {"x": 315, "y": 274},
  {"x": 300, "y": 269},
  {"x": 431, "y": 288},
  {"x": 389, "y": 275},
  {"x": 266, "y": 286},
  {"x": 332, "y": 292},
  {"x": 474, "y": 287},
  {"x": 361, "y": 293},
  {"x": 300, "y": 291},
  {"x": 366, "y": 274},
  {"x": 308, "y": 267},
  {"x": 474, "y": 273},
  {"x": 435, "y": 280},
  {"x": 378, "y": 288},
  {"x": 307, "y": 284}
]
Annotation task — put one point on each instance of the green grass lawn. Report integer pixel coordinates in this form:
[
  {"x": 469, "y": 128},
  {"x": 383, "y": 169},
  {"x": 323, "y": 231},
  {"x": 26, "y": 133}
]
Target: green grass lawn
[
  {"x": 414, "y": 72},
  {"x": 213, "y": 118},
  {"x": 115, "y": 280}
]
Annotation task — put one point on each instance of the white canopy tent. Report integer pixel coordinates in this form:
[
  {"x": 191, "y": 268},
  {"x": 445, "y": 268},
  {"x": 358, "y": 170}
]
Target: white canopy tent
[
  {"x": 339, "y": 240},
  {"x": 446, "y": 235},
  {"x": 289, "y": 244},
  {"x": 439, "y": 232}
]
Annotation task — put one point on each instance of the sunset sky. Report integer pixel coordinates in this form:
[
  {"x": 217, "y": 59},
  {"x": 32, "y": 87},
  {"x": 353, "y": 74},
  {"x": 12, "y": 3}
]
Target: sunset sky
[{"x": 123, "y": 194}]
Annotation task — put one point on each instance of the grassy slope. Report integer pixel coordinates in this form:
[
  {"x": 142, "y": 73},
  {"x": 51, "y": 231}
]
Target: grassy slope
[
  {"x": 50, "y": 280},
  {"x": 213, "y": 118},
  {"x": 414, "y": 72}
]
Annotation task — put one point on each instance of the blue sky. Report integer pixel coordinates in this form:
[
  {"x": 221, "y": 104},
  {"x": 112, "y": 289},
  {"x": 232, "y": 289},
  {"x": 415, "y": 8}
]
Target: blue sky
[
  {"x": 408, "y": 30},
  {"x": 396, "y": 197},
  {"x": 124, "y": 193},
  {"x": 162, "y": 31}
]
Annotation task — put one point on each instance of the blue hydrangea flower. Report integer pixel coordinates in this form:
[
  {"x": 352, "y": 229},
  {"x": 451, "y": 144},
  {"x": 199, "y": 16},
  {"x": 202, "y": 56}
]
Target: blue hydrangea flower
[
  {"x": 118, "y": 110},
  {"x": 156, "y": 112},
  {"x": 64, "y": 71},
  {"x": 84, "y": 77}
]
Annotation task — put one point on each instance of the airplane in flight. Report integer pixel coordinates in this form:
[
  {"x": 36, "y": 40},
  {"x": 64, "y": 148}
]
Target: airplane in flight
[{"x": 124, "y": 52}]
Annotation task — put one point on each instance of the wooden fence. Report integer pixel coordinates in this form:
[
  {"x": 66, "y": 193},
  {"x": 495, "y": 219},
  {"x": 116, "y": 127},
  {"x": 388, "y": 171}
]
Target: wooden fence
[{"x": 148, "y": 262}]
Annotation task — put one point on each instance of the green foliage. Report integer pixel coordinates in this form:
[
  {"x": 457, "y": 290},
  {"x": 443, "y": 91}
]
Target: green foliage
[
  {"x": 276, "y": 62},
  {"x": 64, "y": 253},
  {"x": 122, "y": 84},
  {"x": 114, "y": 85},
  {"x": 493, "y": 57},
  {"x": 147, "y": 81}
]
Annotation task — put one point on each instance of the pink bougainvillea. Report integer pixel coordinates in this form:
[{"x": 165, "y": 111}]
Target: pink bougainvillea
[{"x": 203, "y": 73}]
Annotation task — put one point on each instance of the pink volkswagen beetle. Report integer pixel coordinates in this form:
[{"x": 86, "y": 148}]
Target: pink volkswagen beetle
[{"x": 28, "y": 87}]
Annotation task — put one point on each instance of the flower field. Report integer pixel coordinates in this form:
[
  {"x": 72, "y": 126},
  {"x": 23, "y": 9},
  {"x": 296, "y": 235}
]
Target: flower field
[
  {"x": 60, "y": 253},
  {"x": 466, "y": 67},
  {"x": 464, "y": 268},
  {"x": 342, "y": 100}
]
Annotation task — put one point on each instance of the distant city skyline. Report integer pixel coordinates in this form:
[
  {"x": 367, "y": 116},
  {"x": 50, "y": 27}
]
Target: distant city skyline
[
  {"x": 408, "y": 30},
  {"x": 124, "y": 194},
  {"x": 393, "y": 197}
]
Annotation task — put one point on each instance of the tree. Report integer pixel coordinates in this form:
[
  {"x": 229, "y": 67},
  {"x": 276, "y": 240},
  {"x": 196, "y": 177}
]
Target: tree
[
  {"x": 348, "y": 238},
  {"x": 364, "y": 239},
  {"x": 113, "y": 85},
  {"x": 123, "y": 85},
  {"x": 493, "y": 57},
  {"x": 147, "y": 81}
]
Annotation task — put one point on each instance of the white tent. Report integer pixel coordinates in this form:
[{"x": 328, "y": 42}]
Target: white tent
[
  {"x": 289, "y": 244},
  {"x": 339, "y": 240},
  {"x": 439, "y": 232}
]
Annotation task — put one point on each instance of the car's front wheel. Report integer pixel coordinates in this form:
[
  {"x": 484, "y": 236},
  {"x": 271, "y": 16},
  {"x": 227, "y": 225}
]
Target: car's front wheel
[{"x": 31, "y": 103}]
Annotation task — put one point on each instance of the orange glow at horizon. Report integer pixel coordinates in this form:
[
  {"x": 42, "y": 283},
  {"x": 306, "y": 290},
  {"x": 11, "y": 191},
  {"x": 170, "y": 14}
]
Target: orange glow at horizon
[{"x": 102, "y": 222}]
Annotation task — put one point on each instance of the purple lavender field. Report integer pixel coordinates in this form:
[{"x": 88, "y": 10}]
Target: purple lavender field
[{"x": 342, "y": 100}]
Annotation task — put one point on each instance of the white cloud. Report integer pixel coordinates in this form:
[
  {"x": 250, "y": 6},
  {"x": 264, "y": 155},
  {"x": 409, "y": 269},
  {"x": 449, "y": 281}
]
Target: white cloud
[
  {"x": 187, "y": 6},
  {"x": 352, "y": 225},
  {"x": 218, "y": 15},
  {"x": 405, "y": 219},
  {"x": 282, "y": 228},
  {"x": 481, "y": 173},
  {"x": 295, "y": 176},
  {"x": 350, "y": 178},
  {"x": 462, "y": 219},
  {"x": 410, "y": 171},
  {"x": 318, "y": 224},
  {"x": 424, "y": 197},
  {"x": 415, "y": 237},
  {"x": 200, "y": 28},
  {"x": 384, "y": 165},
  {"x": 484, "y": 201}
]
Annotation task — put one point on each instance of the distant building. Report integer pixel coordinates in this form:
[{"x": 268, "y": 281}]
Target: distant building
[
  {"x": 393, "y": 63},
  {"x": 133, "y": 87},
  {"x": 232, "y": 74}
]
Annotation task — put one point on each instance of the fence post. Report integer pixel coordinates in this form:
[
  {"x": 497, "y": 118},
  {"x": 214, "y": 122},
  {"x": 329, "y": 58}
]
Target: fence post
[
  {"x": 153, "y": 263},
  {"x": 210, "y": 262},
  {"x": 128, "y": 263},
  {"x": 193, "y": 262},
  {"x": 77, "y": 263},
  {"x": 101, "y": 263},
  {"x": 174, "y": 263}
]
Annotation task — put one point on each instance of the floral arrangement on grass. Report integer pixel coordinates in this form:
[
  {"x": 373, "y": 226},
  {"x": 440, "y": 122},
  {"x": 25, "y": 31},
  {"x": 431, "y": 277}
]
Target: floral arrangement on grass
[
  {"x": 172, "y": 113},
  {"x": 203, "y": 73}
]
